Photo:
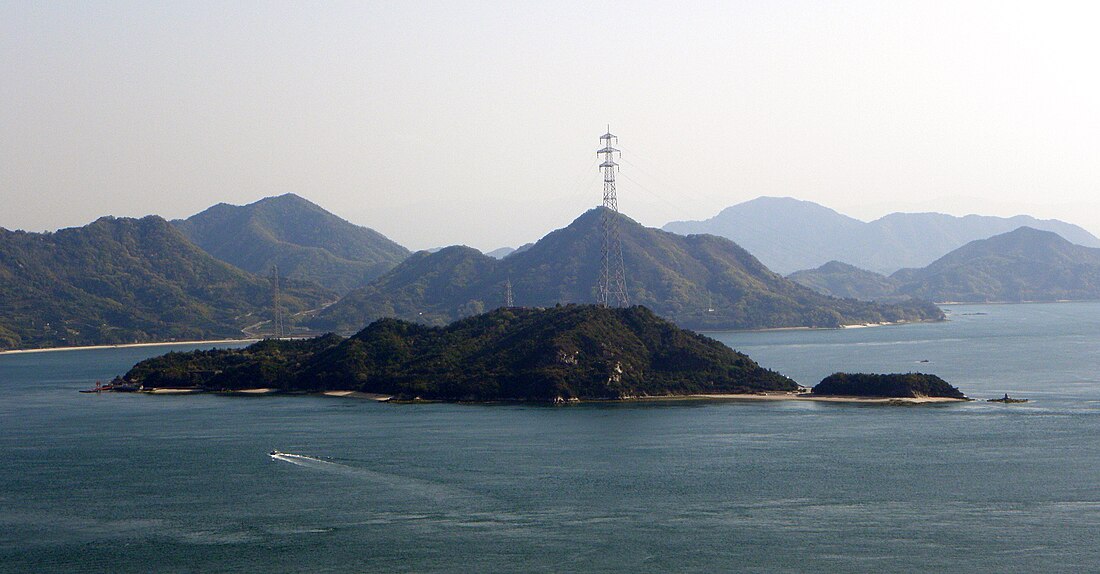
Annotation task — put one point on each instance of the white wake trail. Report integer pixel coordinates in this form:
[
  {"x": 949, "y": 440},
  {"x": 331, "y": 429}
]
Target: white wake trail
[{"x": 395, "y": 482}]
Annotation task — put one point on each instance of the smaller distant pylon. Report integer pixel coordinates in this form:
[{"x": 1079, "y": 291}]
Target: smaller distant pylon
[
  {"x": 509, "y": 302},
  {"x": 276, "y": 305}
]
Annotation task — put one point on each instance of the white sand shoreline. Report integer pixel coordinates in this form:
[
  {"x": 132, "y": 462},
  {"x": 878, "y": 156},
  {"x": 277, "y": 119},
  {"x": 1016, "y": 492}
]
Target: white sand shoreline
[
  {"x": 750, "y": 397},
  {"x": 126, "y": 346},
  {"x": 358, "y": 395},
  {"x": 830, "y": 398},
  {"x": 846, "y": 326}
]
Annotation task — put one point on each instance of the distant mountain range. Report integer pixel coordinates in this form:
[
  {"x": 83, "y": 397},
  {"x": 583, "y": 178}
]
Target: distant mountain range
[
  {"x": 128, "y": 280},
  {"x": 139, "y": 280},
  {"x": 700, "y": 281},
  {"x": 789, "y": 235},
  {"x": 1022, "y": 265},
  {"x": 501, "y": 253},
  {"x": 301, "y": 238}
]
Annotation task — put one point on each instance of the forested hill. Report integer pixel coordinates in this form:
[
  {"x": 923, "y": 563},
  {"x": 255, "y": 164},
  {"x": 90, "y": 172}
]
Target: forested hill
[
  {"x": 1022, "y": 265},
  {"x": 302, "y": 239},
  {"x": 897, "y": 385},
  {"x": 698, "y": 281},
  {"x": 127, "y": 280},
  {"x": 560, "y": 353},
  {"x": 842, "y": 280}
]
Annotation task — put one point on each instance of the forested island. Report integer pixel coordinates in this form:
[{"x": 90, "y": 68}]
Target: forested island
[
  {"x": 896, "y": 385},
  {"x": 562, "y": 353}
]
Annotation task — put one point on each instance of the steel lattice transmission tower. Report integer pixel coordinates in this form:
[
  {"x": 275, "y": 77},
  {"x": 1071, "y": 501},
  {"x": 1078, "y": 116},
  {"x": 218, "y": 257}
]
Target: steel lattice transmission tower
[{"x": 611, "y": 290}]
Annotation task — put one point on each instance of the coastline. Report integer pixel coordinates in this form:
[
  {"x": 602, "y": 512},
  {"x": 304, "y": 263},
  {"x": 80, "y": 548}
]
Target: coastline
[
  {"x": 734, "y": 397},
  {"x": 255, "y": 392},
  {"x": 256, "y": 339},
  {"x": 832, "y": 398},
  {"x": 125, "y": 346},
  {"x": 839, "y": 327}
]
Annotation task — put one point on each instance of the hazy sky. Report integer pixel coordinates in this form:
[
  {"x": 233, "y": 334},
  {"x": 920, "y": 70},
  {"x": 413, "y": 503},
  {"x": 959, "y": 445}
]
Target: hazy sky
[{"x": 451, "y": 122}]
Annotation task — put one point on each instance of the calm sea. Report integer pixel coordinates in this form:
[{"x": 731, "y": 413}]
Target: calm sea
[{"x": 135, "y": 483}]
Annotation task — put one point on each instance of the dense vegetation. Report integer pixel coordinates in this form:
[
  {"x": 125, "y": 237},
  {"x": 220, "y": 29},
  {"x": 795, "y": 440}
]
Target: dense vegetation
[
  {"x": 893, "y": 385},
  {"x": 1022, "y": 265},
  {"x": 567, "y": 352},
  {"x": 304, "y": 240},
  {"x": 699, "y": 281},
  {"x": 127, "y": 280},
  {"x": 789, "y": 235},
  {"x": 842, "y": 280}
]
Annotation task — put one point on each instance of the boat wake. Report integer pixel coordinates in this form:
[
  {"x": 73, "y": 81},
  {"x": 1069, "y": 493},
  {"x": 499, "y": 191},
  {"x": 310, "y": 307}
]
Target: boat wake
[
  {"x": 394, "y": 482},
  {"x": 301, "y": 459}
]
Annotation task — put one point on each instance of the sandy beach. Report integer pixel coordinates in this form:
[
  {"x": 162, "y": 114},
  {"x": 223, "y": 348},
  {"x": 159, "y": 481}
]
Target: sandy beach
[
  {"x": 831, "y": 399},
  {"x": 128, "y": 345},
  {"x": 358, "y": 395}
]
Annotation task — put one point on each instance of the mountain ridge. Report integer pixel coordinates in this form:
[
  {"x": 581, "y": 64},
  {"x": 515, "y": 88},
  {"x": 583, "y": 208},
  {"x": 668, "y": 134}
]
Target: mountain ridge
[
  {"x": 699, "y": 281},
  {"x": 303, "y": 239},
  {"x": 1025, "y": 264}
]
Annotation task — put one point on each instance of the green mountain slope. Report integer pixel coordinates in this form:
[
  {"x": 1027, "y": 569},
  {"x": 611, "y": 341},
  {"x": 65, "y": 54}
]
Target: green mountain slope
[
  {"x": 304, "y": 240},
  {"x": 698, "y": 281},
  {"x": 560, "y": 353},
  {"x": 1022, "y": 265},
  {"x": 842, "y": 280},
  {"x": 127, "y": 280}
]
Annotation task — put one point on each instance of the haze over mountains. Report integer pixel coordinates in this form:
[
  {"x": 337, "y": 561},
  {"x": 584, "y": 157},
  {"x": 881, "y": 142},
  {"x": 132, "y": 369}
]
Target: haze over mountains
[
  {"x": 1022, "y": 265},
  {"x": 701, "y": 281},
  {"x": 301, "y": 238},
  {"x": 790, "y": 235}
]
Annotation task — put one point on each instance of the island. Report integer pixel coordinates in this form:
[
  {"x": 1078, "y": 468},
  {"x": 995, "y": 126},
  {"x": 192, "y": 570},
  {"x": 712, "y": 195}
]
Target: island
[
  {"x": 904, "y": 387},
  {"x": 558, "y": 354}
]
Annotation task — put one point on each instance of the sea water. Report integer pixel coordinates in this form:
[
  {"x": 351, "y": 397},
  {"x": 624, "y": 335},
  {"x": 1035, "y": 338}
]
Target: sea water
[{"x": 141, "y": 483}]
